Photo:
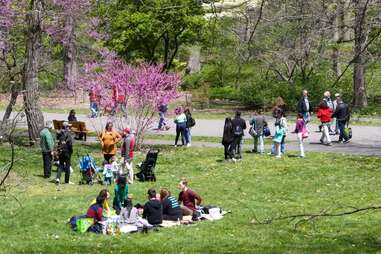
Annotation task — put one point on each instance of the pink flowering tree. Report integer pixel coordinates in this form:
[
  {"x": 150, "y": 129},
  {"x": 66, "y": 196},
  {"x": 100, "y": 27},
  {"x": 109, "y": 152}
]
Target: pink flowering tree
[{"x": 145, "y": 88}]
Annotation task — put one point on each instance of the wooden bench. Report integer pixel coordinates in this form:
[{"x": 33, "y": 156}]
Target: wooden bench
[{"x": 79, "y": 128}]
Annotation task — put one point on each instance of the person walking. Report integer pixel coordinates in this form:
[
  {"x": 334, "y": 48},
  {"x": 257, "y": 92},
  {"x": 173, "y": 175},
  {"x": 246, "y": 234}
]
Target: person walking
[
  {"x": 304, "y": 107},
  {"x": 228, "y": 138},
  {"x": 65, "y": 150},
  {"x": 109, "y": 138},
  {"x": 93, "y": 104},
  {"x": 163, "y": 108},
  {"x": 324, "y": 114},
  {"x": 181, "y": 125},
  {"x": 342, "y": 115},
  {"x": 327, "y": 99},
  {"x": 47, "y": 146},
  {"x": 128, "y": 152},
  {"x": 258, "y": 122},
  {"x": 300, "y": 131},
  {"x": 239, "y": 125}
]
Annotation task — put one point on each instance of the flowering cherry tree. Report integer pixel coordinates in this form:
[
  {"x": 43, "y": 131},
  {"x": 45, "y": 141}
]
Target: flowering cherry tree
[{"x": 145, "y": 88}]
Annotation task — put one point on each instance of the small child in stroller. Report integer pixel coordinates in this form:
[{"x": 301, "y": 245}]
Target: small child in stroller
[{"x": 88, "y": 169}]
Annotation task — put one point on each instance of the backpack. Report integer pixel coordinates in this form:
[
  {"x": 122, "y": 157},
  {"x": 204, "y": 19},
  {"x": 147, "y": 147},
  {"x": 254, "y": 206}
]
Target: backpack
[
  {"x": 238, "y": 131},
  {"x": 192, "y": 122},
  {"x": 63, "y": 142}
]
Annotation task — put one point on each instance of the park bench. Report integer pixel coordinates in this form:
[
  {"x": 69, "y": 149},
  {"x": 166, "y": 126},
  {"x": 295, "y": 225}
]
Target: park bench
[
  {"x": 58, "y": 125},
  {"x": 79, "y": 127}
]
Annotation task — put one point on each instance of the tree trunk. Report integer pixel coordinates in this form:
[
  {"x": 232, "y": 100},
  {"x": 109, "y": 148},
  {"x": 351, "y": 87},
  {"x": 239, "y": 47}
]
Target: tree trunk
[
  {"x": 70, "y": 59},
  {"x": 359, "y": 86},
  {"x": 12, "y": 102},
  {"x": 33, "y": 112}
]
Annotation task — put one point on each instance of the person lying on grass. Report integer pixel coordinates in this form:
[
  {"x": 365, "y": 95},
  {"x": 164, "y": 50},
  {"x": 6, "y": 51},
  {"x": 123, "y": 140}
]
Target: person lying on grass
[
  {"x": 95, "y": 211},
  {"x": 188, "y": 198},
  {"x": 171, "y": 208},
  {"x": 153, "y": 210}
]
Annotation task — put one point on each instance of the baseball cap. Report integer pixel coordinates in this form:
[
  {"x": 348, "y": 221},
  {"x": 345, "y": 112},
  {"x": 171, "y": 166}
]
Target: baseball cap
[
  {"x": 337, "y": 95},
  {"x": 66, "y": 124}
]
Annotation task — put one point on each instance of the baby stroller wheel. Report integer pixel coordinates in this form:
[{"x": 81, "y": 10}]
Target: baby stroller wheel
[
  {"x": 154, "y": 178},
  {"x": 91, "y": 183}
]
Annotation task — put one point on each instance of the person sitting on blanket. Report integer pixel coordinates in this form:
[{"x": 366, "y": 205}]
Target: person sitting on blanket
[
  {"x": 105, "y": 205},
  {"x": 95, "y": 211},
  {"x": 129, "y": 214},
  {"x": 171, "y": 208},
  {"x": 153, "y": 210},
  {"x": 188, "y": 198},
  {"x": 121, "y": 193}
]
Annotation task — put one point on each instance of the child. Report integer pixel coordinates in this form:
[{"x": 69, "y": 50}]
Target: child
[
  {"x": 300, "y": 129},
  {"x": 129, "y": 213},
  {"x": 121, "y": 192},
  {"x": 107, "y": 174},
  {"x": 278, "y": 137},
  {"x": 324, "y": 114},
  {"x": 116, "y": 168}
]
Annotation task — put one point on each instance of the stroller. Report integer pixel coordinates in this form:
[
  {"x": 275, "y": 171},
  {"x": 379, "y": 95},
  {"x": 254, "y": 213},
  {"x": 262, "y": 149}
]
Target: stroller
[
  {"x": 88, "y": 170},
  {"x": 147, "y": 167}
]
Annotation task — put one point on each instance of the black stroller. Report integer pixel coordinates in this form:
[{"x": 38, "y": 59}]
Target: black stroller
[{"x": 147, "y": 167}]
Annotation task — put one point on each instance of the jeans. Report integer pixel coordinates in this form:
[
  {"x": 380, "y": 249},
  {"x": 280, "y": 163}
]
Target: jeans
[
  {"x": 47, "y": 158},
  {"x": 181, "y": 129},
  {"x": 162, "y": 121},
  {"x": 259, "y": 139},
  {"x": 325, "y": 134},
  {"x": 300, "y": 141},
  {"x": 94, "y": 109},
  {"x": 64, "y": 166},
  {"x": 237, "y": 146},
  {"x": 189, "y": 134},
  {"x": 306, "y": 117},
  {"x": 341, "y": 125}
]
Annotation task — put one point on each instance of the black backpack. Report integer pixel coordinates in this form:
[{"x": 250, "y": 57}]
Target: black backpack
[
  {"x": 192, "y": 122},
  {"x": 63, "y": 142}
]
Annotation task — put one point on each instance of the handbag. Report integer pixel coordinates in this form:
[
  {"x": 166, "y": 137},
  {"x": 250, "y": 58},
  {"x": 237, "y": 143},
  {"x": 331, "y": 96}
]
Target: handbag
[
  {"x": 266, "y": 131},
  {"x": 252, "y": 132},
  {"x": 348, "y": 132}
]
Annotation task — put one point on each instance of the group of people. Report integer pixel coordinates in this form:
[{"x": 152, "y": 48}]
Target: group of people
[
  {"x": 118, "y": 102},
  {"x": 184, "y": 123},
  {"x": 62, "y": 149},
  {"x": 331, "y": 113},
  {"x": 160, "y": 206}
]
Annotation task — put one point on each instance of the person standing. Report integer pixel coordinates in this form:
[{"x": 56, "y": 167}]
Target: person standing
[
  {"x": 181, "y": 125},
  {"x": 334, "y": 120},
  {"x": 342, "y": 115},
  {"x": 47, "y": 146},
  {"x": 300, "y": 129},
  {"x": 228, "y": 138},
  {"x": 304, "y": 107},
  {"x": 258, "y": 122},
  {"x": 324, "y": 114},
  {"x": 190, "y": 123},
  {"x": 128, "y": 152},
  {"x": 109, "y": 139},
  {"x": 239, "y": 125},
  {"x": 65, "y": 150}
]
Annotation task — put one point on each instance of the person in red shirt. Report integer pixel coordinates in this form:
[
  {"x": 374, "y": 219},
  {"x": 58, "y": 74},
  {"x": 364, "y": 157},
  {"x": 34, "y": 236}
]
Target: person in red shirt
[
  {"x": 325, "y": 115},
  {"x": 188, "y": 198},
  {"x": 95, "y": 211}
]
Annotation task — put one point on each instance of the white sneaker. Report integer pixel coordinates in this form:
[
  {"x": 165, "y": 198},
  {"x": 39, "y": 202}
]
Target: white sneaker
[
  {"x": 188, "y": 145},
  {"x": 70, "y": 182},
  {"x": 57, "y": 181}
]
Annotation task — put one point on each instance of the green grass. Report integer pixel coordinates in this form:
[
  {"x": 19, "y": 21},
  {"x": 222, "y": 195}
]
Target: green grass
[{"x": 257, "y": 186}]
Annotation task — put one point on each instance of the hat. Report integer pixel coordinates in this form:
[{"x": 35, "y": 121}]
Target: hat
[
  {"x": 66, "y": 124},
  {"x": 337, "y": 95},
  {"x": 127, "y": 130}
]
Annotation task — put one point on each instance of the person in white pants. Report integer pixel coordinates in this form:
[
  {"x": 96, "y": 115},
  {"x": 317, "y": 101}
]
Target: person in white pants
[{"x": 301, "y": 132}]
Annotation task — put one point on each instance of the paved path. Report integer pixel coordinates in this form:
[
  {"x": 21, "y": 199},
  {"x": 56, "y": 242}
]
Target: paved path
[{"x": 366, "y": 139}]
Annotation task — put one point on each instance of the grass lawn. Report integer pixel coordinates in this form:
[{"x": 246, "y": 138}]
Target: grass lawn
[{"x": 257, "y": 186}]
